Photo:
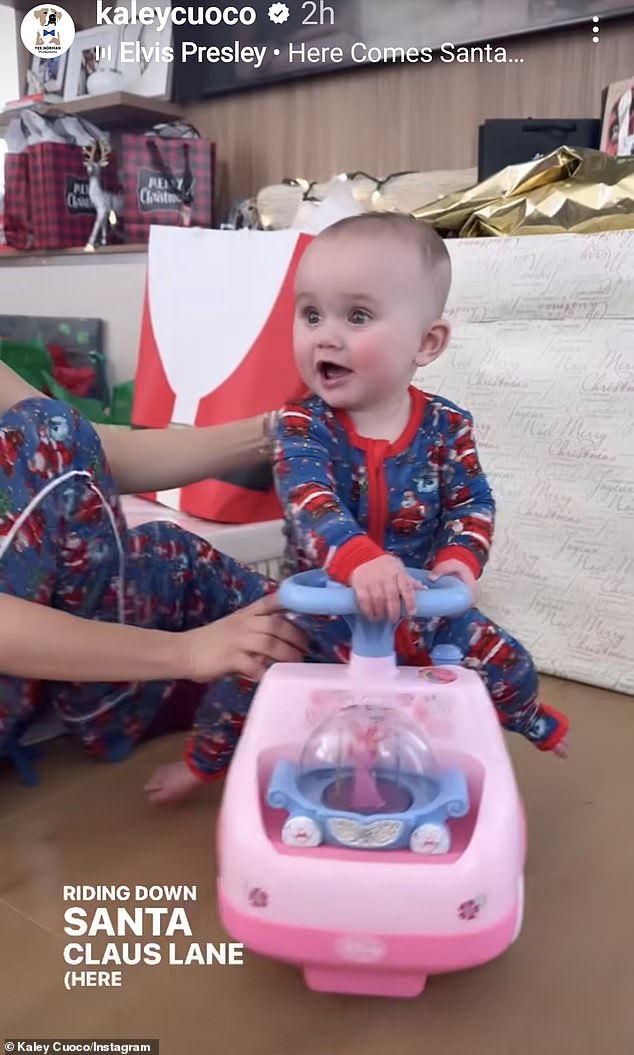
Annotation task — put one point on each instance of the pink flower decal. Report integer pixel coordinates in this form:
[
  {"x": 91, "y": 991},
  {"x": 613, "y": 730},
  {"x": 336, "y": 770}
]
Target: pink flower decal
[
  {"x": 437, "y": 674},
  {"x": 471, "y": 909},
  {"x": 258, "y": 897}
]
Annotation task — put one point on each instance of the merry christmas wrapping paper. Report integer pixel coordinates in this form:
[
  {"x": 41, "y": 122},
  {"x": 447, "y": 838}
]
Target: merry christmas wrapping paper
[{"x": 542, "y": 354}]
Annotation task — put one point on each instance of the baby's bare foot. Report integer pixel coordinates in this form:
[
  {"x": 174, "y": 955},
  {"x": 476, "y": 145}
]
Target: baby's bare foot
[
  {"x": 171, "y": 783},
  {"x": 562, "y": 750}
]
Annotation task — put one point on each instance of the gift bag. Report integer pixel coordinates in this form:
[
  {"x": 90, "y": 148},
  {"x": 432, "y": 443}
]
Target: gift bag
[
  {"x": 18, "y": 232},
  {"x": 46, "y": 182},
  {"x": 503, "y": 142},
  {"x": 62, "y": 214},
  {"x": 75, "y": 346},
  {"x": 166, "y": 181},
  {"x": 216, "y": 346},
  {"x": 40, "y": 367}
]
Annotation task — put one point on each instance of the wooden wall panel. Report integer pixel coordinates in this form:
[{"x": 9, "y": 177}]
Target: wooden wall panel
[
  {"x": 388, "y": 119},
  {"x": 382, "y": 120}
]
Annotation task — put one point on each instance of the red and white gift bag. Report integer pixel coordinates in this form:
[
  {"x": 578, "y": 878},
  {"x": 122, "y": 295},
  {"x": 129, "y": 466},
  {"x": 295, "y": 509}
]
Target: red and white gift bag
[{"x": 216, "y": 346}]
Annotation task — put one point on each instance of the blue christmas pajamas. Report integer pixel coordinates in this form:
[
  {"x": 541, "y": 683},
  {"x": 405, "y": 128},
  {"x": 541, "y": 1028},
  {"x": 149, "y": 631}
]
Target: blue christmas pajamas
[
  {"x": 423, "y": 498},
  {"x": 64, "y": 543}
]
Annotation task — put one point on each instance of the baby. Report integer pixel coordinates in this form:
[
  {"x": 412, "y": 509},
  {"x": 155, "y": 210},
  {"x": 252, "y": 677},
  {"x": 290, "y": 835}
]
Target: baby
[{"x": 375, "y": 475}]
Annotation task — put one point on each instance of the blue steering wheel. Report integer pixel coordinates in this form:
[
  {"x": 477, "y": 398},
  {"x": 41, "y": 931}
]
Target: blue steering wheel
[{"x": 313, "y": 593}]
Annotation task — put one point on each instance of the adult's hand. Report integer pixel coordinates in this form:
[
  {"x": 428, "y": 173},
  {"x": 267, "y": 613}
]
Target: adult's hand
[{"x": 245, "y": 643}]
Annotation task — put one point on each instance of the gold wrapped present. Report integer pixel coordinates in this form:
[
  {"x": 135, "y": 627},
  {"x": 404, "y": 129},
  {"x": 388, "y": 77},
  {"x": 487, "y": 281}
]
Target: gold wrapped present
[
  {"x": 405, "y": 191},
  {"x": 572, "y": 190}
]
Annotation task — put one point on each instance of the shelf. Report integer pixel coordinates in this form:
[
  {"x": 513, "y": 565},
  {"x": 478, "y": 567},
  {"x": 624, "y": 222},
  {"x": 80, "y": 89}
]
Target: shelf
[
  {"x": 42, "y": 256},
  {"x": 114, "y": 110}
]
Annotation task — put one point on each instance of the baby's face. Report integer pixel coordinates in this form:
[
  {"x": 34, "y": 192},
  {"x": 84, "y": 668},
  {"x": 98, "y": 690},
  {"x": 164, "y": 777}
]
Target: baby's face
[{"x": 363, "y": 306}]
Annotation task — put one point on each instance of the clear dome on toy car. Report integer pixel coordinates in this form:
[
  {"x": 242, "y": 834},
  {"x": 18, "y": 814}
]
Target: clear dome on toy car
[{"x": 361, "y": 757}]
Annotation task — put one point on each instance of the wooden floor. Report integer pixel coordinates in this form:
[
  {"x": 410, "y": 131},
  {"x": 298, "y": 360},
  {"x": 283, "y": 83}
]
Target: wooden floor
[{"x": 564, "y": 989}]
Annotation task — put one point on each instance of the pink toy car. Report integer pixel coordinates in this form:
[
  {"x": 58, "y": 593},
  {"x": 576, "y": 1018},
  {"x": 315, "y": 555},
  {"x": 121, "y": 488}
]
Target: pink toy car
[{"x": 371, "y": 829}]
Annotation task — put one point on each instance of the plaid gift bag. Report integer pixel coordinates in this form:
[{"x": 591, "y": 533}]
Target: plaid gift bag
[
  {"x": 166, "y": 181},
  {"x": 17, "y": 205},
  {"x": 62, "y": 214}
]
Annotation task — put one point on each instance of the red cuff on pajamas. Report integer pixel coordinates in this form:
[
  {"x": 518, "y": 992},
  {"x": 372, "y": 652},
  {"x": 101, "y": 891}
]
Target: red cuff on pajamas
[
  {"x": 560, "y": 730},
  {"x": 352, "y": 555},
  {"x": 464, "y": 555},
  {"x": 205, "y": 777}
]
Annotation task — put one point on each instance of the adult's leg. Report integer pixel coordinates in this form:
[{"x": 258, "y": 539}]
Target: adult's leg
[
  {"x": 64, "y": 543},
  {"x": 62, "y": 534},
  {"x": 193, "y": 585}
]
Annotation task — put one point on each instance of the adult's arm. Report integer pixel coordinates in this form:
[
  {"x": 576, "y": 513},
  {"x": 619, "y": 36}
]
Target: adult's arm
[
  {"x": 145, "y": 460},
  {"x": 45, "y": 644},
  {"x": 159, "y": 459}
]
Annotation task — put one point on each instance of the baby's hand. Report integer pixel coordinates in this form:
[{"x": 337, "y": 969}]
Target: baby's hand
[
  {"x": 459, "y": 571},
  {"x": 381, "y": 585}
]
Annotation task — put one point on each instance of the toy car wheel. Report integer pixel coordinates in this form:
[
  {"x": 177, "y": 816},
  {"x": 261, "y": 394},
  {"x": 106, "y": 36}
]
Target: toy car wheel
[
  {"x": 520, "y": 910},
  {"x": 430, "y": 839},
  {"x": 301, "y": 832}
]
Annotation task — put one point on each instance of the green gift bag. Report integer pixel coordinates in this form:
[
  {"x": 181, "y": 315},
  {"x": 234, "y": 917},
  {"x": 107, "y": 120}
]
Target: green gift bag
[{"x": 33, "y": 363}]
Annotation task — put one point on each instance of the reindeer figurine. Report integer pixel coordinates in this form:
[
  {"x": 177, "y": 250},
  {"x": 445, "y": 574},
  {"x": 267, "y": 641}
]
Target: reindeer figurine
[{"x": 106, "y": 203}]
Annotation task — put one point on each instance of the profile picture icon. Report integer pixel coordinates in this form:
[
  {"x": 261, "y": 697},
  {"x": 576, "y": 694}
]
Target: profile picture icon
[{"x": 47, "y": 31}]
